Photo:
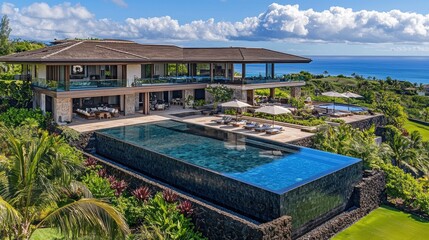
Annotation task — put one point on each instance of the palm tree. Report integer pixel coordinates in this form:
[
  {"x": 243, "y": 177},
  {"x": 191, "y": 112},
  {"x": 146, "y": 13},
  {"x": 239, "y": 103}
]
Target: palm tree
[
  {"x": 37, "y": 190},
  {"x": 425, "y": 113},
  {"x": 405, "y": 156}
]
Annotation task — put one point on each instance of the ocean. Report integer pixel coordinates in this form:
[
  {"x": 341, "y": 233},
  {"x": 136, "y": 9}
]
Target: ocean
[{"x": 413, "y": 69}]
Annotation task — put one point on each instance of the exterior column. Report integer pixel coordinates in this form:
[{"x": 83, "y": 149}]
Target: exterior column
[
  {"x": 272, "y": 92},
  {"x": 146, "y": 103},
  {"x": 130, "y": 103},
  {"x": 243, "y": 72},
  {"x": 272, "y": 71},
  {"x": 62, "y": 109},
  {"x": 42, "y": 102},
  {"x": 186, "y": 94},
  {"x": 67, "y": 72},
  {"x": 137, "y": 101},
  {"x": 35, "y": 99},
  {"x": 121, "y": 103},
  {"x": 251, "y": 96},
  {"x": 232, "y": 71},
  {"x": 240, "y": 94},
  {"x": 226, "y": 71},
  {"x": 211, "y": 72},
  {"x": 295, "y": 92}
]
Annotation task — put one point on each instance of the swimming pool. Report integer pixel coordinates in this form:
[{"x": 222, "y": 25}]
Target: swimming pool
[
  {"x": 261, "y": 179},
  {"x": 342, "y": 107}
]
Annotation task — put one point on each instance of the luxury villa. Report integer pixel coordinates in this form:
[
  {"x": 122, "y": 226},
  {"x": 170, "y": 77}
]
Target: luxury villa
[
  {"x": 244, "y": 185},
  {"x": 77, "y": 74}
]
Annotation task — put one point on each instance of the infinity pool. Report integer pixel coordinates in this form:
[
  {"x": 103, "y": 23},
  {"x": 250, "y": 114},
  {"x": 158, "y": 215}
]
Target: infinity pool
[
  {"x": 258, "y": 178},
  {"x": 266, "y": 165}
]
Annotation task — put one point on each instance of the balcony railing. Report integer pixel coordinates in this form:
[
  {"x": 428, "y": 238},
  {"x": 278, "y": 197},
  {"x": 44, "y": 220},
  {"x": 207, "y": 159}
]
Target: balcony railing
[
  {"x": 85, "y": 84},
  {"x": 140, "y": 82},
  {"x": 78, "y": 84}
]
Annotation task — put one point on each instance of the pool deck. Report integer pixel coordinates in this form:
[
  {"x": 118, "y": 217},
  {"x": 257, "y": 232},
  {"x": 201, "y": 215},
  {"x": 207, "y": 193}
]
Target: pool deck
[{"x": 289, "y": 134}]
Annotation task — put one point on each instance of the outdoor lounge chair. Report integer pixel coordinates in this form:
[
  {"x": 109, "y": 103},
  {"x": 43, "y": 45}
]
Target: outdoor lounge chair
[
  {"x": 251, "y": 125},
  {"x": 263, "y": 128},
  {"x": 223, "y": 120},
  {"x": 274, "y": 130},
  {"x": 340, "y": 114},
  {"x": 238, "y": 123}
]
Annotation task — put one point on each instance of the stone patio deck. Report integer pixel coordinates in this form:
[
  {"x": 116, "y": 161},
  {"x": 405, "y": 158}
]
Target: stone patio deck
[{"x": 289, "y": 134}]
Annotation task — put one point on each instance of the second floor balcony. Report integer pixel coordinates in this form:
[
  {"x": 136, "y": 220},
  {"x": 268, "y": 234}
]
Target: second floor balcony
[
  {"x": 78, "y": 84},
  {"x": 86, "y": 84}
]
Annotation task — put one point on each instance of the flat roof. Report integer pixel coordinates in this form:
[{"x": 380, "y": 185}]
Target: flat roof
[{"x": 120, "y": 51}]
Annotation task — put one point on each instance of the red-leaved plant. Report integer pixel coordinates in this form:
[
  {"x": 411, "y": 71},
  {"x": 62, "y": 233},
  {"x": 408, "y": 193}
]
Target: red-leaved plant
[
  {"x": 111, "y": 179},
  {"x": 169, "y": 196},
  {"x": 118, "y": 186},
  {"x": 102, "y": 173},
  {"x": 142, "y": 193},
  {"x": 185, "y": 207},
  {"x": 90, "y": 163}
]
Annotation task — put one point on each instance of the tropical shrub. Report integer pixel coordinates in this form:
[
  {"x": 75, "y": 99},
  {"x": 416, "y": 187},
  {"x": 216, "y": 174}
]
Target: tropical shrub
[
  {"x": 394, "y": 112},
  {"x": 163, "y": 220},
  {"x": 69, "y": 134},
  {"x": 404, "y": 186},
  {"x": 38, "y": 190},
  {"x": 220, "y": 93},
  {"x": 99, "y": 186},
  {"x": 14, "y": 117},
  {"x": 132, "y": 209}
]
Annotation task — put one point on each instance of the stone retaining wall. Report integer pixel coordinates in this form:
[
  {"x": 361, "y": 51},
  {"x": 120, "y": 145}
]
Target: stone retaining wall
[
  {"x": 367, "y": 196},
  {"x": 378, "y": 121},
  {"x": 305, "y": 142},
  {"x": 213, "y": 221}
]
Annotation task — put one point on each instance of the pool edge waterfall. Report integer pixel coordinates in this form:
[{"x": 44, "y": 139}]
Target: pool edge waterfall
[{"x": 308, "y": 200}]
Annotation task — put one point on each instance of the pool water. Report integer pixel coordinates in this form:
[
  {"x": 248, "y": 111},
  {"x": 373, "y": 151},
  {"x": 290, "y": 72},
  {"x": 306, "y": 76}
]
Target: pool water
[
  {"x": 272, "y": 166},
  {"x": 343, "y": 107}
]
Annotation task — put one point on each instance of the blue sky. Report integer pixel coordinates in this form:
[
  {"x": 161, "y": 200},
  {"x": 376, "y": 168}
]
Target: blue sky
[{"x": 307, "y": 27}]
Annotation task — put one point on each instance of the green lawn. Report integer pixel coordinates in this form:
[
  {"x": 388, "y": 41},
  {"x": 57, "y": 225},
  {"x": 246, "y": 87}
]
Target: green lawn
[
  {"x": 412, "y": 126},
  {"x": 46, "y": 234},
  {"x": 387, "y": 223}
]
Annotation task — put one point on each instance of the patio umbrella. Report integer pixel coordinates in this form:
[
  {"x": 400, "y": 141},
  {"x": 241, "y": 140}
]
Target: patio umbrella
[
  {"x": 334, "y": 95},
  {"x": 351, "y": 95},
  {"x": 273, "y": 110},
  {"x": 235, "y": 104}
]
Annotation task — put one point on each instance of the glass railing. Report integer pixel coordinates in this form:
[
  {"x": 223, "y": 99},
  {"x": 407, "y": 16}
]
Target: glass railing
[
  {"x": 256, "y": 80},
  {"x": 78, "y": 84},
  {"x": 140, "y": 82}
]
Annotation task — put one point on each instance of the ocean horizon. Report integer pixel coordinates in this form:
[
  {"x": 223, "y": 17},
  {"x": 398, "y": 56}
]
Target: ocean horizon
[{"x": 405, "y": 68}]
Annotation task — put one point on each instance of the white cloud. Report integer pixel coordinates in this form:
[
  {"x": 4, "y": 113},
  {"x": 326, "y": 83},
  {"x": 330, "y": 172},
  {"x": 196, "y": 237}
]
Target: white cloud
[
  {"x": 120, "y": 3},
  {"x": 278, "y": 23}
]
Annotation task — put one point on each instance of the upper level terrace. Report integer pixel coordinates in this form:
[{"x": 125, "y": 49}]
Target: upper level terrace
[{"x": 79, "y": 65}]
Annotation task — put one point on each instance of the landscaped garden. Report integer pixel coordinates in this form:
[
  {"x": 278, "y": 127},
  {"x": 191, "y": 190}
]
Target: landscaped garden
[{"x": 387, "y": 223}]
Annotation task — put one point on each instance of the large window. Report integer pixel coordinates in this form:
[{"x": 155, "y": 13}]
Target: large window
[{"x": 203, "y": 69}]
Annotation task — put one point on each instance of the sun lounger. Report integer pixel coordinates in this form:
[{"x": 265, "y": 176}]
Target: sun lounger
[
  {"x": 238, "y": 123},
  {"x": 251, "y": 126},
  {"x": 223, "y": 120},
  {"x": 274, "y": 130},
  {"x": 263, "y": 128},
  {"x": 340, "y": 114}
]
